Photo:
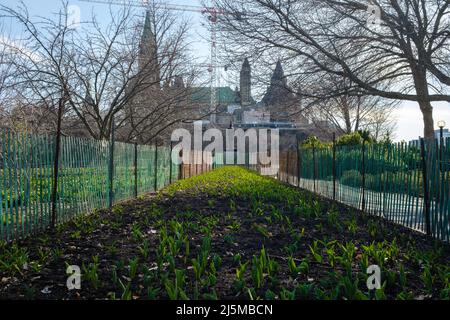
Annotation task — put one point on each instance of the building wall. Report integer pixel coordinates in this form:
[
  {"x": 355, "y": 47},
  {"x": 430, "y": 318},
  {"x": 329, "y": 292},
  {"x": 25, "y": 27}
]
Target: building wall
[{"x": 255, "y": 116}]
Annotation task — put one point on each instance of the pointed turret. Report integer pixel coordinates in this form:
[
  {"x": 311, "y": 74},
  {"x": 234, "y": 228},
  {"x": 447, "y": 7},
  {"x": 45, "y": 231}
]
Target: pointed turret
[
  {"x": 278, "y": 92},
  {"x": 246, "y": 84},
  {"x": 148, "y": 52},
  {"x": 278, "y": 77}
]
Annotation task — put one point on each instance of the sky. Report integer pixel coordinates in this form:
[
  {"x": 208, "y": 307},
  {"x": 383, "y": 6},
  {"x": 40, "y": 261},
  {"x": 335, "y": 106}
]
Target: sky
[
  {"x": 410, "y": 123},
  {"x": 409, "y": 117},
  {"x": 45, "y": 8}
]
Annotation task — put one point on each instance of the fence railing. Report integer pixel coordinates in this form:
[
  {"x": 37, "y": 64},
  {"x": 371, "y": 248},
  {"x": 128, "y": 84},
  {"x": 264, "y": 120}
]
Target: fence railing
[
  {"x": 406, "y": 184},
  {"x": 91, "y": 174},
  {"x": 409, "y": 185}
]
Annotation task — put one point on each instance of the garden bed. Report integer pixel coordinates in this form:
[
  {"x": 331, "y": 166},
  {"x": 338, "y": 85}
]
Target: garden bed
[{"x": 227, "y": 234}]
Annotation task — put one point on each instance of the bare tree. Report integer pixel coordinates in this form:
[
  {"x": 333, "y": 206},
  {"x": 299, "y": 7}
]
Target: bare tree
[
  {"x": 405, "y": 57},
  {"x": 41, "y": 67},
  {"x": 16, "y": 111},
  {"x": 3, "y": 78},
  {"x": 95, "y": 74},
  {"x": 6, "y": 75},
  {"x": 350, "y": 113}
]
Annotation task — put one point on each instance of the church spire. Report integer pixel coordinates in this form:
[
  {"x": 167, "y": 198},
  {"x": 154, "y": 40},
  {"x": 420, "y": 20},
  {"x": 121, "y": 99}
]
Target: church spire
[
  {"x": 148, "y": 53},
  {"x": 148, "y": 41},
  {"x": 246, "y": 84}
]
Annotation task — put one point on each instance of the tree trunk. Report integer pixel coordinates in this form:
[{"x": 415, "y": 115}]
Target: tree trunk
[
  {"x": 346, "y": 115},
  {"x": 421, "y": 84},
  {"x": 427, "y": 113},
  {"x": 358, "y": 114}
]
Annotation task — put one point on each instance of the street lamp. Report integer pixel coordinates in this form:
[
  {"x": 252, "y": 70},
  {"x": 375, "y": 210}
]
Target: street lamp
[{"x": 441, "y": 125}]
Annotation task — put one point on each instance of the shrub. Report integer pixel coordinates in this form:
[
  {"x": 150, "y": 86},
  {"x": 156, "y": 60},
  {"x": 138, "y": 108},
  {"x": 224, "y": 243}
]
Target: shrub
[
  {"x": 351, "y": 139},
  {"x": 314, "y": 142}
]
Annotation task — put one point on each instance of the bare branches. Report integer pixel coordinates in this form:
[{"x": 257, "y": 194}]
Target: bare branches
[
  {"x": 398, "y": 59},
  {"x": 103, "y": 72}
]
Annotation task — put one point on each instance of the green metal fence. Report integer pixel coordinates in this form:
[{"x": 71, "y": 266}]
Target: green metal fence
[
  {"x": 84, "y": 182},
  {"x": 403, "y": 183},
  {"x": 406, "y": 184}
]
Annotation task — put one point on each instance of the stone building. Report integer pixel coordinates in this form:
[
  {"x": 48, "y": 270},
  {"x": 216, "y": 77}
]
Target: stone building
[
  {"x": 235, "y": 107},
  {"x": 156, "y": 101}
]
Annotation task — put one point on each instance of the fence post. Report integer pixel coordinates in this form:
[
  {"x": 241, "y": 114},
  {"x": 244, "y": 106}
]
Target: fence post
[
  {"x": 191, "y": 160},
  {"x": 441, "y": 178},
  {"x": 56, "y": 161},
  {"x": 247, "y": 158},
  {"x": 156, "y": 167},
  {"x": 170, "y": 163},
  {"x": 202, "y": 163},
  {"x": 287, "y": 166},
  {"x": 314, "y": 168},
  {"x": 181, "y": 167},
  {"x": 334, "y": 166},
  {"x": 135, "y": 170},
  {"x": 298, "y": 160},
  {"x": 257, "y": 165},
  {"x": 111, "y": 164},
  {"x": 195, "y": 161},
  {"x": 425, "y": 187},
  {"x": 381, "y": 155},
  {"x": 363, "y": 172}
]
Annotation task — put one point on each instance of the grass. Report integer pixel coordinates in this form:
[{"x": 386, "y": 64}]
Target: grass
[{"x": 228, "y": 234}]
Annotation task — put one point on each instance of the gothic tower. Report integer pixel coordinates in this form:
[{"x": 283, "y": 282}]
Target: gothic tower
[
  {"x": 148, "y": 53},
  {"x": 278, "y": 92},
  {"x": 279, "y": 98},
  {"x": 246, "y": 84}
]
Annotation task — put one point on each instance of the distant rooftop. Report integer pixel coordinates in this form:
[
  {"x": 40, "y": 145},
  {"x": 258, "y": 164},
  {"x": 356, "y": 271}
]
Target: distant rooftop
[{"x": 225, "y": 95}]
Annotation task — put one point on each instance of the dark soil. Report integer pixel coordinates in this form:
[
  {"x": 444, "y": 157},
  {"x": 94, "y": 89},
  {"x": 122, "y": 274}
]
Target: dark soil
[{"x": 238, "y": 232}]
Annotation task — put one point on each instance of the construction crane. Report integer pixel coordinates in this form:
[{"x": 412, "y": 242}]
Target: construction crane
[{"x": 211, "y": 13}]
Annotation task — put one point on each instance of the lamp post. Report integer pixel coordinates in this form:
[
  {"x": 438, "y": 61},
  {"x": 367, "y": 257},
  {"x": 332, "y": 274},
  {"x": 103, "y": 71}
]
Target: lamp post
[
  {"x": 441, "y": 125},
  {"x": 135, "y": 143}
]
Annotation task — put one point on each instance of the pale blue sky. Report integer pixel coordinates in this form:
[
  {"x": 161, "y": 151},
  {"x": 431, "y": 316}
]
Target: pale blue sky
[
  {"x": 410, "y": 124},
  {"x": 46, "y": 7},
  {"x": 199, "y": 35}
]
